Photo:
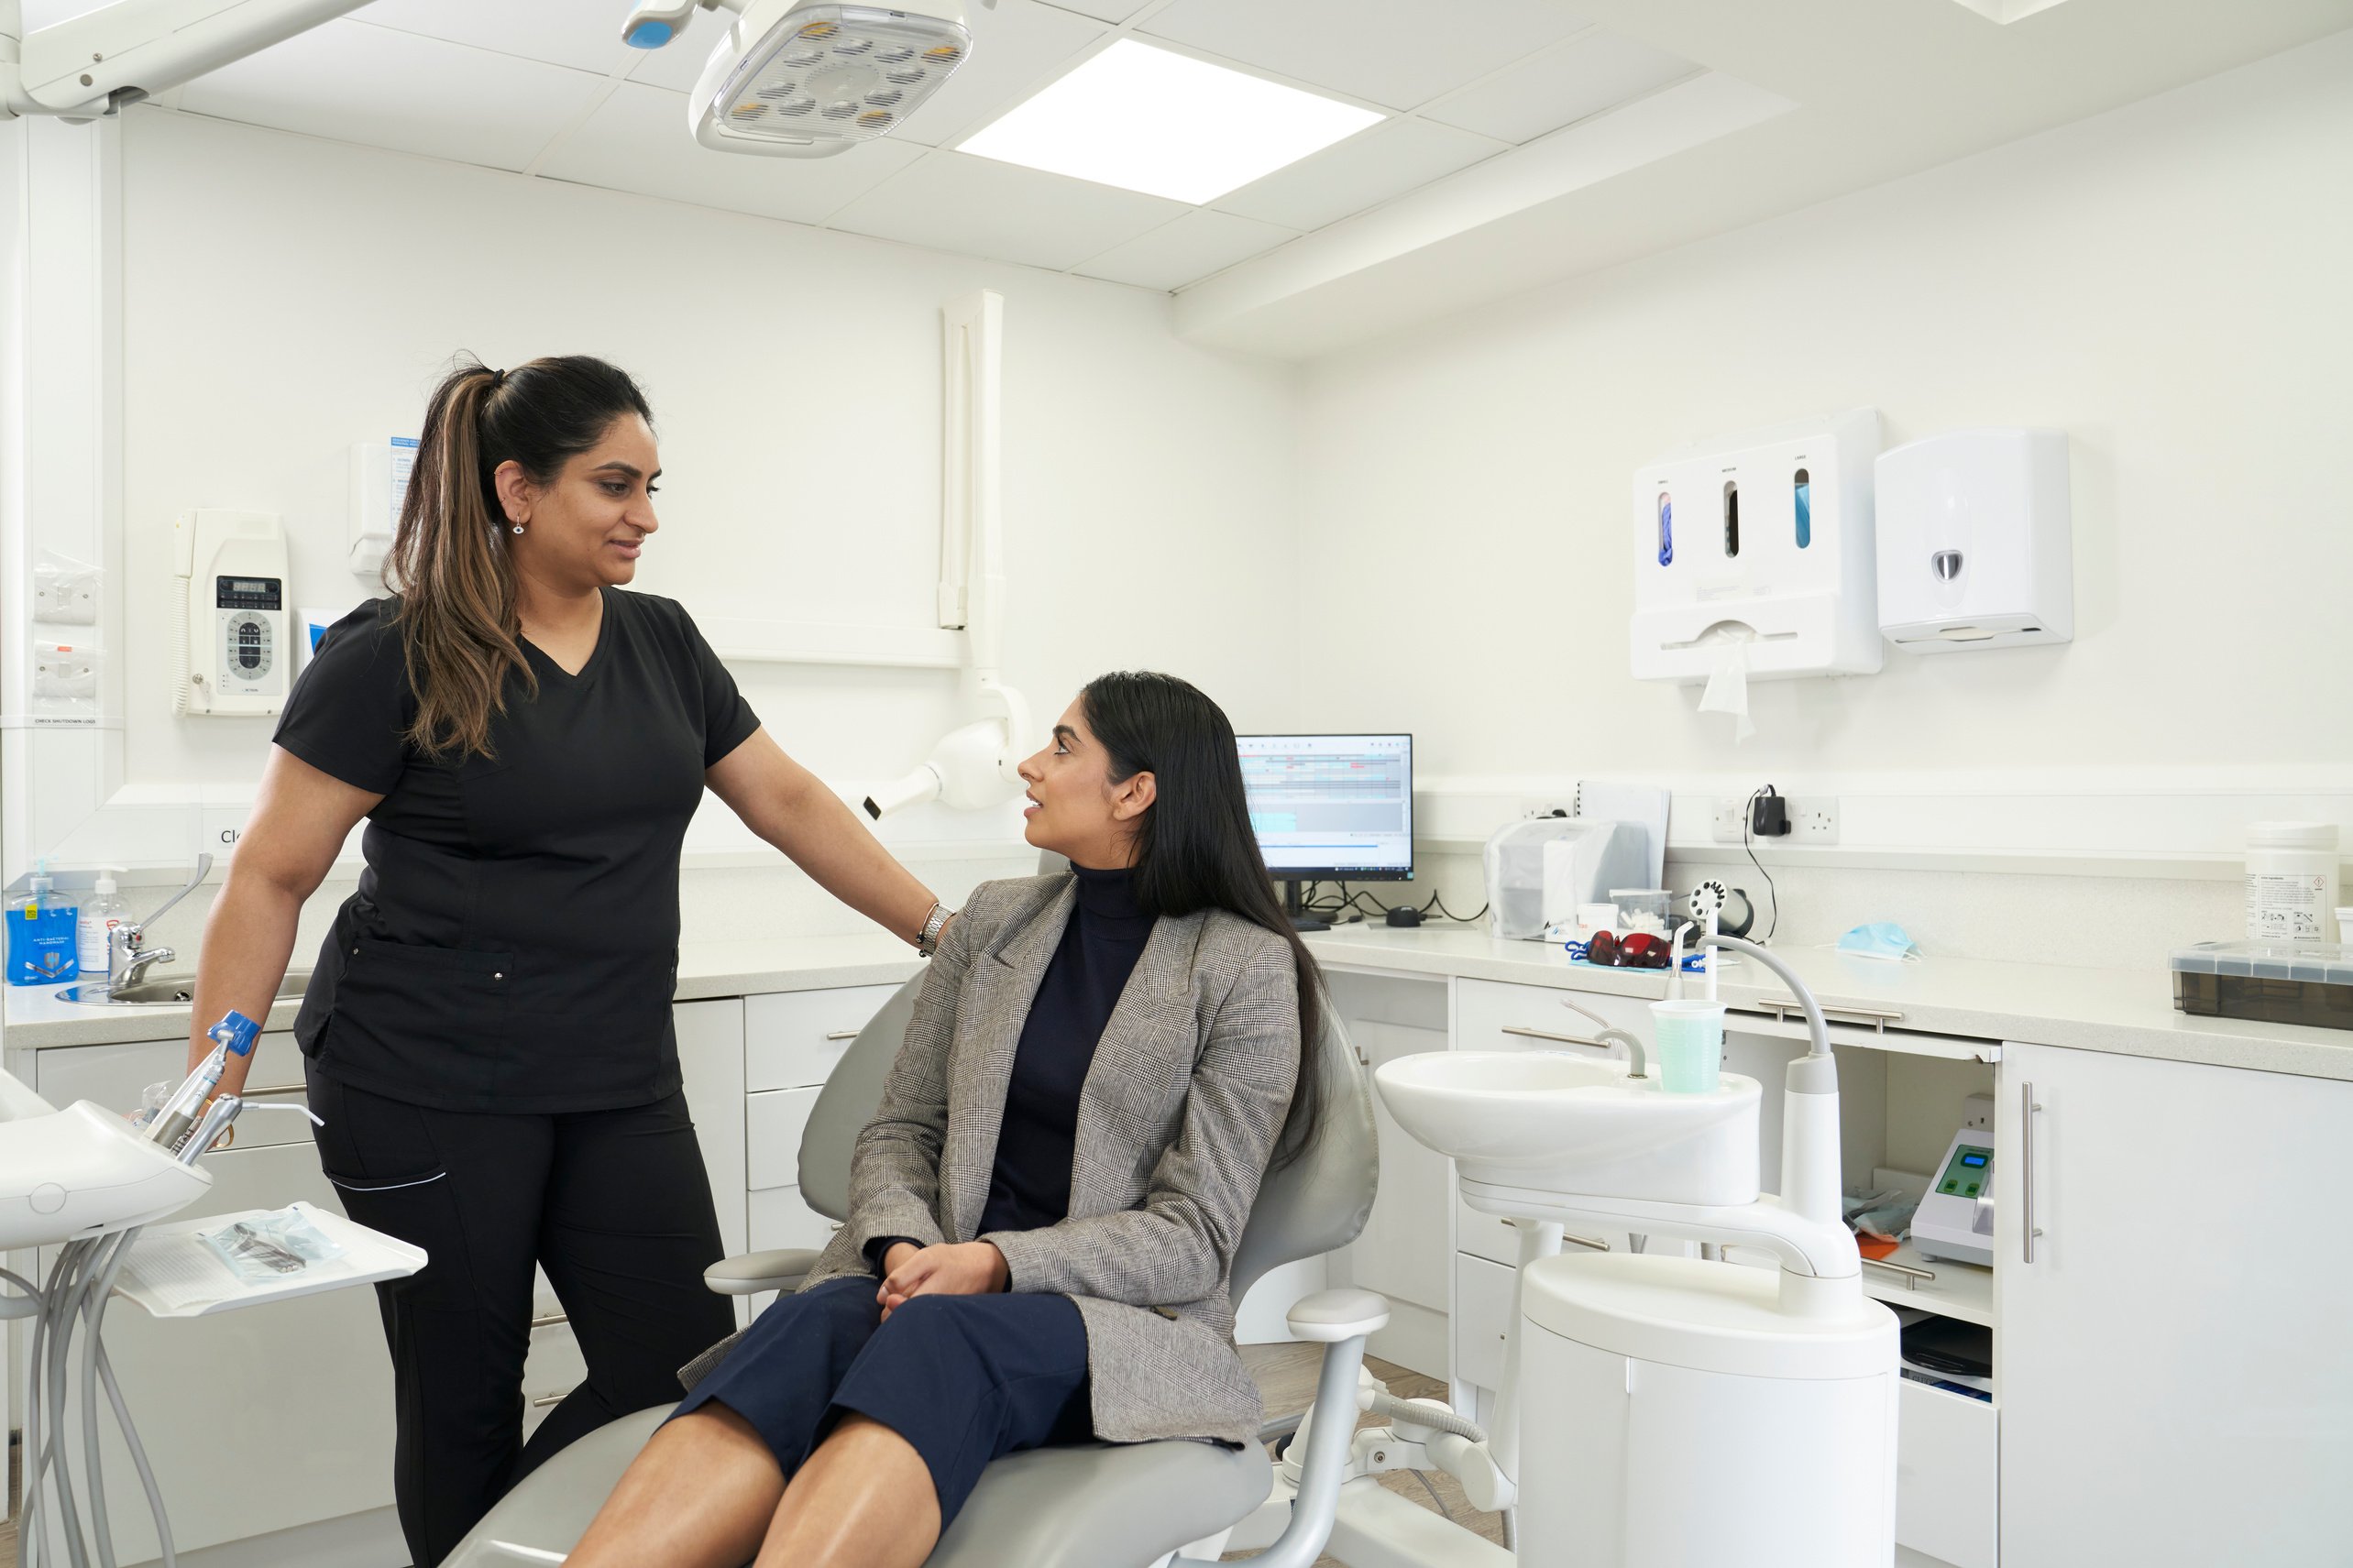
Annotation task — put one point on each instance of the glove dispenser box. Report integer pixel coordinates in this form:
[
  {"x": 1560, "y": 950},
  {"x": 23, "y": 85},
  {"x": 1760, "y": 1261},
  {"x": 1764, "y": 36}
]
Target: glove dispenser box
[
  {"x": 1764, "y": 540},
  {"x": 1974, "y": 547}
]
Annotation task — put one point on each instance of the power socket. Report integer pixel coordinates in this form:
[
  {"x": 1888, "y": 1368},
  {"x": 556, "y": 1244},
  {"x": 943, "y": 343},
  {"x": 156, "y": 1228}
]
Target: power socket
[
  {"x": 1814, "y": 820},
  {"x": 1533, "y": 806},
  {"x": 1977, "y": 1113},
  {"x": 1725, "y": 823}
]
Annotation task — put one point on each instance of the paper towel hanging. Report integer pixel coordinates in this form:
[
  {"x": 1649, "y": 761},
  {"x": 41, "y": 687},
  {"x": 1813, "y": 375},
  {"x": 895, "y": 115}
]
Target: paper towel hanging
[{"x": 1754, "y": 559}]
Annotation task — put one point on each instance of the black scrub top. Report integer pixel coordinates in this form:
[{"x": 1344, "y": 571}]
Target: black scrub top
[{"x": 513, "y": 945}]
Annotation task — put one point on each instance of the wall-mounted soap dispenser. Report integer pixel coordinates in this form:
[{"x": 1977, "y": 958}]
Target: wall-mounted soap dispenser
[
  {"x": 1758, "y": 547},
  {"x": 1974, "y": 548}
]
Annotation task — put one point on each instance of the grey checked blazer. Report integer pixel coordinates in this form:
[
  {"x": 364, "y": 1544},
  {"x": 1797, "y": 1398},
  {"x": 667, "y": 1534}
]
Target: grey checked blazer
[{"x": 1177, "y": 1115}]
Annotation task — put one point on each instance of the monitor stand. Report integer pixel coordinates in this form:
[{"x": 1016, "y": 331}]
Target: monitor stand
[{"x": 1300, "y": 919}]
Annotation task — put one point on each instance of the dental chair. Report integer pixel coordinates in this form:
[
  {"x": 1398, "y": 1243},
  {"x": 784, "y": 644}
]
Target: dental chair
[{"x": 1148, "y": 1505}]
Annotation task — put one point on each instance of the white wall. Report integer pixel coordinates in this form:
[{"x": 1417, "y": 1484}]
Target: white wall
[
  {"x": 285, "y": 297},
  {"x": 2166, "y": 282}
]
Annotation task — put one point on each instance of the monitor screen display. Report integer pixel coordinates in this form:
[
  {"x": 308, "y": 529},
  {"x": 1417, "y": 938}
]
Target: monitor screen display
[{"x": 1332, "y": 807}]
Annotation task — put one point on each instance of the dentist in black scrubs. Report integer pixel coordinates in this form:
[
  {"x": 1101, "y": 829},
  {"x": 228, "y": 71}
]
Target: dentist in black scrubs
[{"x": 488, "y": 1036}]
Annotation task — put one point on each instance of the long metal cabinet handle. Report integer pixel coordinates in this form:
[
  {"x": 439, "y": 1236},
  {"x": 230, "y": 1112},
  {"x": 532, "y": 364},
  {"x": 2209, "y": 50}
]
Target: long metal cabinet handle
[
  {"x": 274, "y": 1093},
  {"x": 549, "y": 1320},
  {"x": 1527, "y": 1034},
  {"x": 546, "y": 1399},
  {"x": 2027, "y": 1108},
  {"x": 844, "y": 1033},
  {"x": 1912, "y": 1277}
]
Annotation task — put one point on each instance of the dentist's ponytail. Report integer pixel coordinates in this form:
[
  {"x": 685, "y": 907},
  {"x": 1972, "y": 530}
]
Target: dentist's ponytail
[{"x": 449, "y": 563}]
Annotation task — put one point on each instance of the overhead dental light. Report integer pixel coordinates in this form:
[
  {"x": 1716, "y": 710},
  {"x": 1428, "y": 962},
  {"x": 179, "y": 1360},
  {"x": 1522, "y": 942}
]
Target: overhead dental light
[
  {"x": 806, "y": 78},
  {"x": 92, "y": 65}
]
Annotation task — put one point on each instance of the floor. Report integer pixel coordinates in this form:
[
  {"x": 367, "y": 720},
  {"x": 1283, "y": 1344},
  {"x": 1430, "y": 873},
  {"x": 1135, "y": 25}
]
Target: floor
[{"x": 1286, "y": 1378}]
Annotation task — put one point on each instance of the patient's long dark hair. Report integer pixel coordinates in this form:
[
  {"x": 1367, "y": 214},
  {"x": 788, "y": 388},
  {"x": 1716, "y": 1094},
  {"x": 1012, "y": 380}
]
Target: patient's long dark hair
[{"x": 1195, "y": 847}]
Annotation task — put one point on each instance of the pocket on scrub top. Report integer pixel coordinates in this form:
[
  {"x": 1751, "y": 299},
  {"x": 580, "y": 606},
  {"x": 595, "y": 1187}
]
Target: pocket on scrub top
[{"x": 435, "y": 1015}]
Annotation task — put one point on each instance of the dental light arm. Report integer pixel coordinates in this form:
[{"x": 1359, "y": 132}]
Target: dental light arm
[
  {"x": 975, "y": 766},
  {"x": 94, "y": 64}
]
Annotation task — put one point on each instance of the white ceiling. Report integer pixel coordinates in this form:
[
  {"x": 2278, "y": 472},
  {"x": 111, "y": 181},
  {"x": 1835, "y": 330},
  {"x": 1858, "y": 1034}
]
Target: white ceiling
[{"x": 1524, "y": 139}]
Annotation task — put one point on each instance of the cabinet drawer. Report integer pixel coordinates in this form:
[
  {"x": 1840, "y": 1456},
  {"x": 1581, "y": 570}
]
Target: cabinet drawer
[
  {"x": 1490, "y": 1237},
  {"x": 773, "y": 1124},
  {"x": 1490, "y": 1016},
  {"x": 1946, "y": 1458},
  {"x": 1482, "y": 1318},
  {"x": 780, "y": 1219},
  {"x": 114, "y": 1077},
  {"x": 792, "y": 1039}
]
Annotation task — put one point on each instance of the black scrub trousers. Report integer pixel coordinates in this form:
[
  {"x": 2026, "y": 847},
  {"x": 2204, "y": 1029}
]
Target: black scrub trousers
[{"x": 489, "y": 1039}]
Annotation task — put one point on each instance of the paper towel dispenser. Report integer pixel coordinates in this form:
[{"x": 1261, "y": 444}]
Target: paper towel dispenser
[{"x": 1975, "y": 545}]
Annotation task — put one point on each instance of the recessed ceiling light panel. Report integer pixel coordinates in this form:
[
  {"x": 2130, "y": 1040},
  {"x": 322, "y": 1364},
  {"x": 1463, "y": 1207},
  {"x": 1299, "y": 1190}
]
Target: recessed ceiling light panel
[{"x": 1149, "y": 119}]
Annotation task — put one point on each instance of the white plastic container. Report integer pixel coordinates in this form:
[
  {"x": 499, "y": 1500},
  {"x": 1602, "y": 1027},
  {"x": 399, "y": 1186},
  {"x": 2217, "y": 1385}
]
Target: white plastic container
[{"x": 2291, "y": 873}]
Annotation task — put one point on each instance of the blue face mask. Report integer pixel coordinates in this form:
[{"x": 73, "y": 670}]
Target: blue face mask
[{"x": 1880, "y": 939}]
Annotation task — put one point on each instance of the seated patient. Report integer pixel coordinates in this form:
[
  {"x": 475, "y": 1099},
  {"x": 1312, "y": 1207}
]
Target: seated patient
[{"x": 1044, "y": 1212}]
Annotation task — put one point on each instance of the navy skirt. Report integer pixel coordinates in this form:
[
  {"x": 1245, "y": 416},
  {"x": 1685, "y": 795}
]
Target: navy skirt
[{"x": 963, "y": 1379}]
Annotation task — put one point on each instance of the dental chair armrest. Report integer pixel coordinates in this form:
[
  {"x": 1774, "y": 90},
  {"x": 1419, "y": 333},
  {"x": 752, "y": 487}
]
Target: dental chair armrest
[
  {"x": 1329, "y": 1316},
  {"x": 779, "y": 1269}
]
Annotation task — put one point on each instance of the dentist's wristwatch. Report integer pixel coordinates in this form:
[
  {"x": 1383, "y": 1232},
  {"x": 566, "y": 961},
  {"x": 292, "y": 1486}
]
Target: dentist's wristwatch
[{"x": 927, "y": 941}]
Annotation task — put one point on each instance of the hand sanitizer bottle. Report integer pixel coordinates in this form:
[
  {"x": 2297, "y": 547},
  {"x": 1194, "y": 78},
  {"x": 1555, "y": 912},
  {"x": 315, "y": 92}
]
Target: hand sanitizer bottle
[
  {"x": 98, "y": 919},
  {"x": 40, "y": 934}
]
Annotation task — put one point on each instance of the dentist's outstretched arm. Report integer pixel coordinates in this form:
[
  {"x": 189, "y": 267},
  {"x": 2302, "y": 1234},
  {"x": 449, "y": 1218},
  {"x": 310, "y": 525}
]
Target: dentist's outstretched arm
[{"x": 791, "y": 808}]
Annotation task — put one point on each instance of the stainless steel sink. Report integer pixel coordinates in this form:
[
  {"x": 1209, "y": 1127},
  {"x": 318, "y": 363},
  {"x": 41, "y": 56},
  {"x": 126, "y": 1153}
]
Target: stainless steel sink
[{"x": 167, "y": 991}]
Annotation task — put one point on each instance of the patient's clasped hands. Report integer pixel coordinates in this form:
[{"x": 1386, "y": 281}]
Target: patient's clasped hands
[{"x": 960, "y": 1268}]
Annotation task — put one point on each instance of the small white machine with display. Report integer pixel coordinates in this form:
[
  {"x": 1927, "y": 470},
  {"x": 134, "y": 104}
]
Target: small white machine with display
[
  {"x": 1956, "y": 1218},
  {"x": 235, "y": 650}
]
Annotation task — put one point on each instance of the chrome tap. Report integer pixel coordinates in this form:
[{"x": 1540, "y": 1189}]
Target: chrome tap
[
  {"x": 1637, "y": 1063},
  {"x": 126, "y": 956}
]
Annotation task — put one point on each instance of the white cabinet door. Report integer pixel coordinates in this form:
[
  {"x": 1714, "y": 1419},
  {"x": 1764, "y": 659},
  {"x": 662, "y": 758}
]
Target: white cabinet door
[
  {"x": 2174, "y": 1382},
  {"x": 710, "y": 1060}
]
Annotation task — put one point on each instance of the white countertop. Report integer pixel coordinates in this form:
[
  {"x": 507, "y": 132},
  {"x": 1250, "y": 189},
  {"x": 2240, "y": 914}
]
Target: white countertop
[
  {"x": 2129, "y": 1012},
  {"x": 35, "y": 1019},
  {"x": 2126, "y": 1010}
]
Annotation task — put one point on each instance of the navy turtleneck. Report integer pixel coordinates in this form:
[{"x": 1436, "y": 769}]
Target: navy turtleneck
[{"x": 1030, "y": 1186}]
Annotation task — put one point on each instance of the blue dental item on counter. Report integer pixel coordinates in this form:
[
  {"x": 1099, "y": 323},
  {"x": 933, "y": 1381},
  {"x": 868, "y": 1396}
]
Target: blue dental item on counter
[
  {"x": 1880, "y": 939},
  {"x": 42, "y": 944}
]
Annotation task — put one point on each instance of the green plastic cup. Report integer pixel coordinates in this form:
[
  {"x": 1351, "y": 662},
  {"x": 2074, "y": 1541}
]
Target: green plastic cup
[{"x": 1690, "y": 1050}]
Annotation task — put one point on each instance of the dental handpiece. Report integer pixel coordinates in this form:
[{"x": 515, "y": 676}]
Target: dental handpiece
[
  {"x": 232, "y": 1034},
  {"x": 217, "y": 1116}
]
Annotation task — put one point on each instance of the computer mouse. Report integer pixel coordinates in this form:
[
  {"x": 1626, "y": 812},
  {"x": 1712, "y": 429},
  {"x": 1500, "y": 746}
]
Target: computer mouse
[{"x": 1404, "y": 917}]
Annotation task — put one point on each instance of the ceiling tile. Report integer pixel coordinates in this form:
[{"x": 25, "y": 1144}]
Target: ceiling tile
[
  {"x": 638, "y": 140},
  {"x": 679, "y": 64},
  {"x": 1397, "y": 52},
  {"x": 1192, "y": 247},
  {"x": 1389, "y": 159},
  {"x": 381, "y": 87},
  {"x": 980, "y": 207},
  {"x": 1107, "y": 10},
  {"x": 1593, "y": 71},
  {"x": 561, "y": 32},
  {"x": 1017, "y": 48}
]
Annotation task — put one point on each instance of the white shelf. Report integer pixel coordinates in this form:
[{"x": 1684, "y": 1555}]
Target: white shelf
[{"x": 1962, "y": 1290}]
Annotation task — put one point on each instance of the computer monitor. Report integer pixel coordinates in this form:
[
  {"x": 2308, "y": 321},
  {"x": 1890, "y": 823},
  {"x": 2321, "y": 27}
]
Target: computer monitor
[{"x": 1330, "y": 808}]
